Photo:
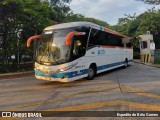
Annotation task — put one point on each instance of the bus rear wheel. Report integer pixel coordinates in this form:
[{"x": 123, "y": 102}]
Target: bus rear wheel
[
  {"x": 91, "y": 72},
  {"x": 125, "y": 63}
]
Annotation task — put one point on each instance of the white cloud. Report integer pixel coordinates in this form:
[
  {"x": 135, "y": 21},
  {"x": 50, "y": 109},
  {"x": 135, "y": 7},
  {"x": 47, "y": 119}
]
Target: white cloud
[{"x": 108, "y": 10}]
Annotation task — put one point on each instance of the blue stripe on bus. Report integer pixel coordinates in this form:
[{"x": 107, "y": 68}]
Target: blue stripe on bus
[
  {"x": 78, "y": 73},
  {"x": 109, "y": 65}
]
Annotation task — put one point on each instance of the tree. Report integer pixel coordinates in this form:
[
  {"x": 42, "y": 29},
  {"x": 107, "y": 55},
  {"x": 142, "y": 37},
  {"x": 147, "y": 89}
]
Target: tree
[
  {"x": 71, "y": 17},
  {"x": 60, "y": 10},
  {"x": 55, "y": 2},
  {"x": 17, "y": 15},
  {"x": 136, "y": 25},
  {"x": 18, "y": 20},
  {"x": 155, "y": 2},
  {"x": 96, "y": 21}
]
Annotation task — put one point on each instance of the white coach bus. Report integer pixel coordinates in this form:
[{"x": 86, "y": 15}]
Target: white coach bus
[{"x": 71, "y": 51}]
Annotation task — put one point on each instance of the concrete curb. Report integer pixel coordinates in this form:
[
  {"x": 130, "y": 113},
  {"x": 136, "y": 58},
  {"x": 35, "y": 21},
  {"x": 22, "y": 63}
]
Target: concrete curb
[
  {"x": 15, "y": 75},
  {"x": 148, "y": 64}
]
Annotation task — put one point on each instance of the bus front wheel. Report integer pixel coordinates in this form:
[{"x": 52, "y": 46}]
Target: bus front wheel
[{"x": 91, "y": 72}]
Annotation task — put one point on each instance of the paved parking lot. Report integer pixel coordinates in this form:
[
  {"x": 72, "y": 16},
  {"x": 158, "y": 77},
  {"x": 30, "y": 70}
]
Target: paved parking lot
[{"x": 135, "y": 88}]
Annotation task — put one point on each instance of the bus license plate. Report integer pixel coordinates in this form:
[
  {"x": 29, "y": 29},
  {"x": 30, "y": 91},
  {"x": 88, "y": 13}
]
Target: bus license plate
[{"x": 47, "y": 78}]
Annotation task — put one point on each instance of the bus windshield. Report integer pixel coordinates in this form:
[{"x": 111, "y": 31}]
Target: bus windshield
[{"x": 51, "y": 49}]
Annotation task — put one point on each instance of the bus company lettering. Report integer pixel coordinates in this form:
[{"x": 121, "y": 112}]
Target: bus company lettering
[{"x": 101, "y": 52}]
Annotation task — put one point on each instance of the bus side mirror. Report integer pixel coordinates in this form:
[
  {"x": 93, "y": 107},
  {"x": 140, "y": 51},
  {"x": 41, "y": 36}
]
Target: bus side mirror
[
  {"x": 70, "y": 36},
  {"x": 32, "y": 38}
]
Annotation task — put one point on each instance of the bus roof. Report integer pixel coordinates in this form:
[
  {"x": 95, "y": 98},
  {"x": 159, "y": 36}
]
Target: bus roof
[{"x": 87, "y": 24}]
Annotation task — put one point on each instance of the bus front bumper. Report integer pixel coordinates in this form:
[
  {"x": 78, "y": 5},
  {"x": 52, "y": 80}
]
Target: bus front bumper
[
  {"x": 52, "y": 79},
  {"x": 61, "y": 77}
]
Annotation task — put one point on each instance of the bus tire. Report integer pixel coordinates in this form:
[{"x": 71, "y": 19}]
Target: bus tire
[
  {"x": 125, "y": 63},
  {"x": 91, "y": 72}
]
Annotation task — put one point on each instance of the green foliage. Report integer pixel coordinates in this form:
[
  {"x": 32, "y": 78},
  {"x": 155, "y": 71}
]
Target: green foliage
[
  {"x": 96, "y": 21},
  {"x": 60, "y": 12},
  {"x": 155, "y": 2},
  {"x": 71, "y": 17},
  {"x": 136, "y": 55},
  {"x": 20, "y": 19},
  {"x": 56, "y": 2},
  {"x": 136, "y": 25}
]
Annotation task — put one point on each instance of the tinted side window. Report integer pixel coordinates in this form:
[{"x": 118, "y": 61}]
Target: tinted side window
[
  {"x": 99, "y": 37},
  {"x": 129, "y": 45}
]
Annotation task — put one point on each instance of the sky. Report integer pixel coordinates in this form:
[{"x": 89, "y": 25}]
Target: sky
[{"x": 109, "y": 10}]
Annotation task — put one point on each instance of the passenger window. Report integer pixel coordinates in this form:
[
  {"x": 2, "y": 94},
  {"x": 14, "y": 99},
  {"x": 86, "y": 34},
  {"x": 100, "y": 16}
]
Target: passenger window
[
  {"x": 98, "y": 37},
  {"x": 129, "y": 45}
]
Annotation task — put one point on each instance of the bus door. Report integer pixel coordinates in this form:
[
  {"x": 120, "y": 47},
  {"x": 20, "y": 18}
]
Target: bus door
[{"x": 78, "y": 50}]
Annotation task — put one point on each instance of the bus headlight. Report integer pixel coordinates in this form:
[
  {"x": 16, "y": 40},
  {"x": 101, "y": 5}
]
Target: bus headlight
[
  {"x": 61, "y": 70},
  {"x": 65, "y": 69}
]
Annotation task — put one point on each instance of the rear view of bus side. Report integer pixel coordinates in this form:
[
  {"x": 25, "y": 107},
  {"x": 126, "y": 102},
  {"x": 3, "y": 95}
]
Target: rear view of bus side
[{"x": 71, "y": 51}]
